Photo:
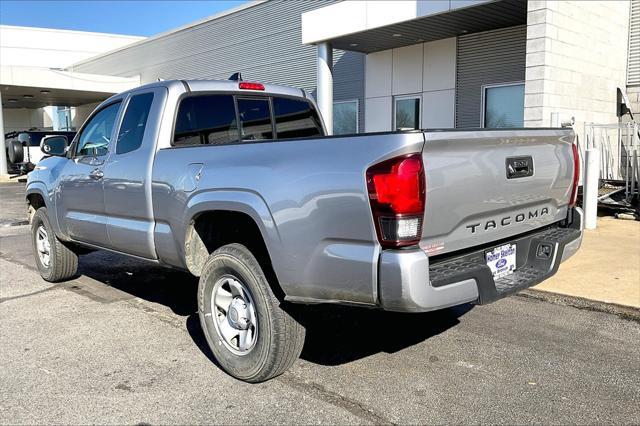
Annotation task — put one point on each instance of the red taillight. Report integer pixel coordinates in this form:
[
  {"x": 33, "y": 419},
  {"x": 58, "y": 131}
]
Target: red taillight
[
  {"x": 397, "y": 196},
  {"x": 576, "y": 176},
  {"x": 247, "y": 85}
]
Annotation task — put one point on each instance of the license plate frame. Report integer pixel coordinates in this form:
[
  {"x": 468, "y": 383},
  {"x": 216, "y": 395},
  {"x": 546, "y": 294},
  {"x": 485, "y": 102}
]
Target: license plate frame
[{"x": 501, "y": 260}]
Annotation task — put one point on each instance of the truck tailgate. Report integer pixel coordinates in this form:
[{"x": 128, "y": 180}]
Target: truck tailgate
[{"x": 487, "y": 185}]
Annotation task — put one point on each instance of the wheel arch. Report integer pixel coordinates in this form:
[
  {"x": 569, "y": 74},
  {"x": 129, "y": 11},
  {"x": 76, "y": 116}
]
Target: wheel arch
[
  {"x": 217, "y": 218},
  {"x": 36, "y": 198}
]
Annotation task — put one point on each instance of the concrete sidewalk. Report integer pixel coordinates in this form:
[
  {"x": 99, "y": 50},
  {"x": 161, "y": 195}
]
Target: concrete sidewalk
[{"x": 606, "y": 268}]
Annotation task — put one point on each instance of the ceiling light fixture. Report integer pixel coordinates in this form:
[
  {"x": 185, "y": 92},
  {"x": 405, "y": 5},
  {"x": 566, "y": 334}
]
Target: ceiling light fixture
[
  {"x": 353, "y": 44},
  {"x": 12, "y": 100},
  {"x": 27, "y": 96},
  {"x": 45, "y": 92},
  {"x": 397, "y": 35}
]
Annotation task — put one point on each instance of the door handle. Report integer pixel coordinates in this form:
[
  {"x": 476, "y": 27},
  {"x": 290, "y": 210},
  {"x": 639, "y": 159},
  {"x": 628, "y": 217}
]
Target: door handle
[
  {"x": 518, "y": 167},
  {"x": 96, "y": 174}
]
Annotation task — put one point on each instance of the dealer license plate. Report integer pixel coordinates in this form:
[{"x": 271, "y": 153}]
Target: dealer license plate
[{"x": 502, "y": 260}]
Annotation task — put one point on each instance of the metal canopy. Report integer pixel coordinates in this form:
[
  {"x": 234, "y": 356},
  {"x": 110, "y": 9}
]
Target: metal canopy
[
  {"x": 38, "y": 97},
  {"x": 489, "y": 16}
]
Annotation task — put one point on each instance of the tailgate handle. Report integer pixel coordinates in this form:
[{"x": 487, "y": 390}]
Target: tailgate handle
[{"x": 518, "y": 167}]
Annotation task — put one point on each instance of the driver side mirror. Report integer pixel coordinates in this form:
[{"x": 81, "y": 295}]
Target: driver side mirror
[{"x": 54, "y": 145}]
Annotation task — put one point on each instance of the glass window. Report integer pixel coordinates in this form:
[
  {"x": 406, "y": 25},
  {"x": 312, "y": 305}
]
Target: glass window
[
  {"x": 209, "y": 119},
  {"x": 95, "y": 137},
  {"x": 295, "y": 118},
  {"x": 255, "y": 119},
  {"x": 134, "y": 123},
  {"x": 345, "y": 118},
  {"x": 504, "y": 106},
  {"x": 62, "y": 119},
  {"x": 407, "y": 113}
]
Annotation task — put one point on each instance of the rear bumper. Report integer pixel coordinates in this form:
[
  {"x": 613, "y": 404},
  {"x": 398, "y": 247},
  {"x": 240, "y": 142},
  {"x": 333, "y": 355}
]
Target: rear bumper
[{"x": 409, "y": 282}]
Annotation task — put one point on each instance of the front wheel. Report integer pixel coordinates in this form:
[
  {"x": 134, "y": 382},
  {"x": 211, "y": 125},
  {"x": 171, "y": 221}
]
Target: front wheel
[
  {"x": 56, "y": 262},
  {"x": 250, "y": 335}
]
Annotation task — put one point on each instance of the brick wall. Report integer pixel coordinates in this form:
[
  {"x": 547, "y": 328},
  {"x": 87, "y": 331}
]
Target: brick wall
[{"x": 576, "y": 58}]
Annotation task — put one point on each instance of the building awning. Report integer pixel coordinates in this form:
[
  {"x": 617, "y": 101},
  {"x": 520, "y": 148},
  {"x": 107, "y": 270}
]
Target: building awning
[
  {"x": 372, "y": 26},
  {"x": 33, "y": 87}
]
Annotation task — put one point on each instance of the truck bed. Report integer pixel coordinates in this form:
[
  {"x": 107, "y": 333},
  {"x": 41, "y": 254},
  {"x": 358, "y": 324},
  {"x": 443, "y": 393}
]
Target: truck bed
[{"x": 310, "y": 194}]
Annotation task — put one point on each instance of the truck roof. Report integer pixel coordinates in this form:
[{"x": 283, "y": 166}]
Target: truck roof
[
  {"x": 231, "y": 85},
  {"x": 223, "y": 86}
]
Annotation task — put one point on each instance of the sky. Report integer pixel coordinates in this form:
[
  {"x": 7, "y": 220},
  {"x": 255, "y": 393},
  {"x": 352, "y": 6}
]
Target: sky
[{"x": 140, "y": 18}]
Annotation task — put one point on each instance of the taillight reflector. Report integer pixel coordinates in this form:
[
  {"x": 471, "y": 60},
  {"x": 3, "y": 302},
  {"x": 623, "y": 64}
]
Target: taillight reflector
[
  {"x": 247, "y": 85},
  {"x": 576, "y": 176},
  {"x": 397, "y": 197}
]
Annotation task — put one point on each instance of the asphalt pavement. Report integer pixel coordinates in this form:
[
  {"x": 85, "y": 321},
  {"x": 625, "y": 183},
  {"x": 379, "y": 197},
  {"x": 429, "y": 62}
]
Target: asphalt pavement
[
  {"x": 13, "y": 209},
  {"x": 122, "y": 344}
]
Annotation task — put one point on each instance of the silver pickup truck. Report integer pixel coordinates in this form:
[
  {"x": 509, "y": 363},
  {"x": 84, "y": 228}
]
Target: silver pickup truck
[{"x": 237, "y": 183}]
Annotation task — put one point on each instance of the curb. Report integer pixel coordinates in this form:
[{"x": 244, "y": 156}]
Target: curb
[{"x": 625, "y": 312}]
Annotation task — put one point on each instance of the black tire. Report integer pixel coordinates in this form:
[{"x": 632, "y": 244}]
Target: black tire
[
  {"x": 63, "y": 262},
  {"x": 279, "y": 338},
  {"x": 16, "y": 152}
]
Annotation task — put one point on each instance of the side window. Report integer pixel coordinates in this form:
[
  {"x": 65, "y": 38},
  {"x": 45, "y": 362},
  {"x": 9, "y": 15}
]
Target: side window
[
  {"x": 134, "y": 123},
  {"x": 255, "y": 119},
  {"x": 407, "y": 112},
  {"x": 94, "y": 139},
  {"x": 503, "y": 105},
  {"x": 295, "y": 118},
  {"x": 345, "y": 117},
  {"x": 209, "y": 119}
]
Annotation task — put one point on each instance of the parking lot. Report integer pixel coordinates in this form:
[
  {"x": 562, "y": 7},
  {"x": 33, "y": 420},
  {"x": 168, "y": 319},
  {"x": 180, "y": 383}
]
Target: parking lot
[{"x": 122, "y": 344}]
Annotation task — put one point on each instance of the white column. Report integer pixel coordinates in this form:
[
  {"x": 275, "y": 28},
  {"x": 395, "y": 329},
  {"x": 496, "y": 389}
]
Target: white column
[
  {"x": 591, "y": 179},
  {"x": 3, "y": 149},
  {"x": 324, "y": 65}
]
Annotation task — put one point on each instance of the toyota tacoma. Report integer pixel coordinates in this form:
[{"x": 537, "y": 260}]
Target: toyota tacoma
[{"x": 237, "y": 183}]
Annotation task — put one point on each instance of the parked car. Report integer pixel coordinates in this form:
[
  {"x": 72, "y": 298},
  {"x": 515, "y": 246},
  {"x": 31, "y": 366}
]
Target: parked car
[
  {"x": 23, "y": 148},
  {"x": 237, "y": 183}
]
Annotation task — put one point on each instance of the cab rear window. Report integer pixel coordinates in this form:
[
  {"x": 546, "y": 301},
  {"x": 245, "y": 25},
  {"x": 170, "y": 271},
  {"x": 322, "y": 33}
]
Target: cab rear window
[
  {"x": 295, "y": 118},
  {"x": 220, "y": 119},
  {"x": 206, "y": 120},
  {"x": 255, "y": 119}
]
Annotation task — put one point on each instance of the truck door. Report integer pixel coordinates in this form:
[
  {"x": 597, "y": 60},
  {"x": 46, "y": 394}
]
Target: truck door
[
  {"x": 80, "y": 202},
  {"x": 127, "y": 175}
]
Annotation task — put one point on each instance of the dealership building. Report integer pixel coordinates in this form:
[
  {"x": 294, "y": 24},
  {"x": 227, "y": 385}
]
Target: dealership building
[{"x": 371, "y": 65}]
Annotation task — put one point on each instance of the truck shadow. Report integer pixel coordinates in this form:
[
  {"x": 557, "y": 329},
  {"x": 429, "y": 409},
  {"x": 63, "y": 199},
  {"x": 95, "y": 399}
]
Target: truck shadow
[
  {"x": 335, "y": 334},
  {"x": 172, "y": 288},
  {"x": 340, "y": 334}
]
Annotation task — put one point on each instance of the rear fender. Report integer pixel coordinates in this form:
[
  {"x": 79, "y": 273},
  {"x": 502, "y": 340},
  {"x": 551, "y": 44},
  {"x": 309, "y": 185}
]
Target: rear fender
[{"x": 245, "y": 202}]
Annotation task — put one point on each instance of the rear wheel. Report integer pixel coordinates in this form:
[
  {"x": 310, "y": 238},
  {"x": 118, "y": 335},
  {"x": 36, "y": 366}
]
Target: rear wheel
[
  {"x": 55, "y": 261},
  {"x": 250, "y": 335}
]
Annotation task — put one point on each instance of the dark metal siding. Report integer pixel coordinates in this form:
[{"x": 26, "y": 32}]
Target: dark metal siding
[
  {"x": 262, "y": 41},
  {"x": 490, "y": 57}
]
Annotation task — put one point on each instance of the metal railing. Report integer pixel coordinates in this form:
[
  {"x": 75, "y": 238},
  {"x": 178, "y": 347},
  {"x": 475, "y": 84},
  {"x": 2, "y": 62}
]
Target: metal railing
[{"x": 618, "y": 148}]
